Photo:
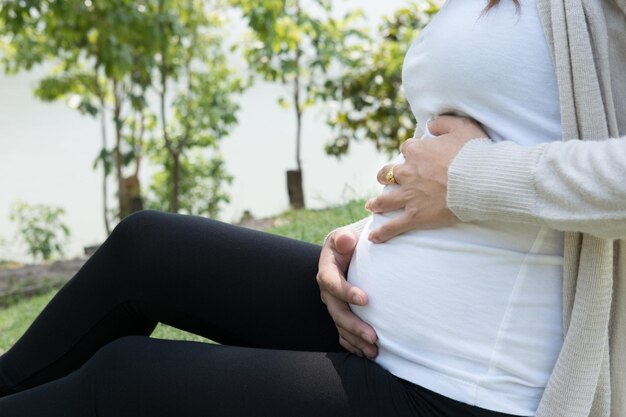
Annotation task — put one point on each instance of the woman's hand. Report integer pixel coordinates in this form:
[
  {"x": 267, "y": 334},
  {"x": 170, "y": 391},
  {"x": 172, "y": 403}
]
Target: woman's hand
[
  {"x": 423, "y": 179},
  {"x": 355, "y": 335}
]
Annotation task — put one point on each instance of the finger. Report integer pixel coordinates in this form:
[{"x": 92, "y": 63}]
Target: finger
[
  {"x": 356, "y": 342},
  {"x": 443, "y": 124},
  {"x": 383, "y": 172},
  {"x": 345, "y": 240},
  {"x": 394, "y": 227},
  {"x": 331, "y": 276},
  {"x": 345, "y": 319},
  {"x": 369, "y": 349},
  {"x": 407, "y": 143},
  {"x": 385, "y": 203},
  {"x": 333, "y": 281},
  {"x": 349, "y": 347},
  {"x": 338, "y": 249}
]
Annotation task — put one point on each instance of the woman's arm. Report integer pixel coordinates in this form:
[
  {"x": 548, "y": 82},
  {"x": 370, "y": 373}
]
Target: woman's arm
[
  {"x": 570, "y": 186},
  {"x": 575, "y": 186}
]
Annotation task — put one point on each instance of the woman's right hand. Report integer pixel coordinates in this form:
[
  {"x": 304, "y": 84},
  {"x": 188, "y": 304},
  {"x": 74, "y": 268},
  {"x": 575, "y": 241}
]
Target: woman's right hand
[{"x": 355, "y": 335}]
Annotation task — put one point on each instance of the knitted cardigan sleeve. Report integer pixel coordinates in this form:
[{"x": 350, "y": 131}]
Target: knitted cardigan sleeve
[{"x": 576, "y": 186}]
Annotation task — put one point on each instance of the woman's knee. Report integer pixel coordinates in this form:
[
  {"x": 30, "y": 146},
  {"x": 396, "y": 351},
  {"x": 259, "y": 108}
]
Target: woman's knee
[
  {"x": 116, "y": 358},
  {"x": 114, "y": 377},
  {"x": 132, "y": 233},
  {"x": 137, "y": 223}
]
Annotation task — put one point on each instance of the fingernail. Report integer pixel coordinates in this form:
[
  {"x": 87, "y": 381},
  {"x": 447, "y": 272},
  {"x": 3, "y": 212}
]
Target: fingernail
[
  {"x": 367, "y": 338},
  {"x": 372, "y": 238},
  {"x": 357, "y": 299}
]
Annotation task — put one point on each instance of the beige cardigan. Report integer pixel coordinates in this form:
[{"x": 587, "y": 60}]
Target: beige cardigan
[{"x": 575, "y": 186}]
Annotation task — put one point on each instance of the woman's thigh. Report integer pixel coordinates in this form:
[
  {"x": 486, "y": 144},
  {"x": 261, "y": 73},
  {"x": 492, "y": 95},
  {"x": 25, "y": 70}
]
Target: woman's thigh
[
  {"x": 138, "y": 376},
  {"x": 228, "y": 283}
]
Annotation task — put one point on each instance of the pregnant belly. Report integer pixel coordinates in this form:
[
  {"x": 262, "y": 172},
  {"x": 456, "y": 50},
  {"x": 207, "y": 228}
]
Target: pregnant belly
[{"x": 463, "y": 299}]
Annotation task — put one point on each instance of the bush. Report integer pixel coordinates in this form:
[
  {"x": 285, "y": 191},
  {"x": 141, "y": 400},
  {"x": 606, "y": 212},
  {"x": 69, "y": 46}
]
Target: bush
[{"x": 41, "y": 228}]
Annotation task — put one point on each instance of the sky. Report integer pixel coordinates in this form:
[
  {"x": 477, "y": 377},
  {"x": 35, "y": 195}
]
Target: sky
[{"x": 47, "y": 152}]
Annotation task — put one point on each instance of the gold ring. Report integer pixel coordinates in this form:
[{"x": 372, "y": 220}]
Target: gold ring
[{"x": 389, "y": 177}]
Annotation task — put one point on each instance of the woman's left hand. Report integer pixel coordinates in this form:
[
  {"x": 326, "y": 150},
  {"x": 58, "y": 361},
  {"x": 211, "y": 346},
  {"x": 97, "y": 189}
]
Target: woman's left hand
[{"x": 423, "y": 179}]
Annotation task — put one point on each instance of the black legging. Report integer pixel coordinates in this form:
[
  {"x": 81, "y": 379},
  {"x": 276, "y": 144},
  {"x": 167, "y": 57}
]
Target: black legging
[{"x": 88, "y": 354}]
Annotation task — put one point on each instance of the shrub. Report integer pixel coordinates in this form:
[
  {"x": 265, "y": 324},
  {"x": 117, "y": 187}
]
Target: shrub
[{"x": 42, "y": 229}]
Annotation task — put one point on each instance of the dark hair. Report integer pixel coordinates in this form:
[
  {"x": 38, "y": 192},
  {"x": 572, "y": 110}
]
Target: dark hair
[{"x": 494, "y": 3}]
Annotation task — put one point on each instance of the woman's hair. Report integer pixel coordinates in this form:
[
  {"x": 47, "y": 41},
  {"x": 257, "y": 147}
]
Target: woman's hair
[{"x": 493, "y": 3}]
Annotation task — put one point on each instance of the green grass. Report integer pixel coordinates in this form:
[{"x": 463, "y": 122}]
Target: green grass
[
  {"x": 4, "y": 263},
  {"x": 308, "y": 225},
  {"x": 314, "y": 225}
]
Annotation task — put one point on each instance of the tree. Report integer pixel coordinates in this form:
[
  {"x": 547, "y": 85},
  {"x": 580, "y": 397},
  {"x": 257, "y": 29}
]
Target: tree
[
  {"x": 96, "y": 96},
  {"x": 41, "y": 228},
  {"x": 84, "y": 92},
  {"x": 296, "y": 43},
  {"x": 201, "y": 185},
  {"x": 192, "y": 65},
  {"x": 104, "y": 53},
  {"x": 370, "y": 103},
  {"x": 109, "y": 55}
]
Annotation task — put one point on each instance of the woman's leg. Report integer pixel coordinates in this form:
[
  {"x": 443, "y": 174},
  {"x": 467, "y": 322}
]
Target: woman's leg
[
  {"x": 230, "y": 284},
  {"x": 137, "y": 376}
]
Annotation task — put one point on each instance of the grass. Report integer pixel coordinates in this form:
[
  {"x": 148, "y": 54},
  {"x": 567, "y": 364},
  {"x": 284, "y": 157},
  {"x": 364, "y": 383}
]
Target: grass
[
  {"x": 308, "y": 225},
  {"x": 9, "y": 264}
]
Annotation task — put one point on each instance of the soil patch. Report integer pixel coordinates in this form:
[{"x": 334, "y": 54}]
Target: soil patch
[
  {"x": 33, "y": 279},
  {"x": 19, "y": 281}
]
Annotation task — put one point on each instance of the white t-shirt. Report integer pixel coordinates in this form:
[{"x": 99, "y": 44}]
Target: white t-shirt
[{"x": 473, "y": 311}]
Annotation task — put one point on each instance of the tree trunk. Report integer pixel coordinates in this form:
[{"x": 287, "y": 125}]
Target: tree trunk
[
  {"x": 105, "y": 192},
  {"x": 171, "y": 148},
  {"x": 294, "y": 177},
  {"x": 174, "y": 204},
  {"x": 129, "y": 190},
  {"x": 124, "y": 209},
  {"x": 132, "y": 194},
  {"x": 295, "y": 189}
]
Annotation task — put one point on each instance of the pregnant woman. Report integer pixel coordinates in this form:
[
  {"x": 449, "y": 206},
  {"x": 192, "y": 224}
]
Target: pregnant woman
[{"x": 488, "y": 282}]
